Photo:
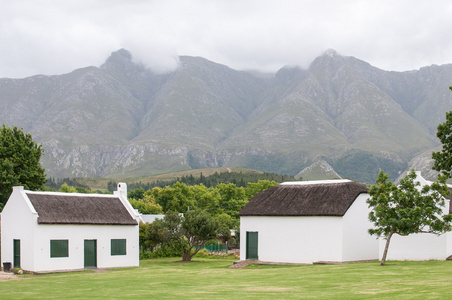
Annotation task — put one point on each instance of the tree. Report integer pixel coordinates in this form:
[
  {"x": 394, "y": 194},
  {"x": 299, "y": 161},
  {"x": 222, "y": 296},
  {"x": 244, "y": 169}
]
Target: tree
[
  {"x": 188, "y": 232},
  {"x": 407, "y": 208},
  {"x": 146, "y": 205},
  {"x": 19, "y": 162},
  {"x": 225, "y": 223},
  {"x": 443, "y": 158},
  {"x": 253, "y": 188}
]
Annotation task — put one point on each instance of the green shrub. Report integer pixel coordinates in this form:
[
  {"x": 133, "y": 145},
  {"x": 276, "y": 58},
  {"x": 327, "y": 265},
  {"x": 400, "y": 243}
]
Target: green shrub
[{"x": 17, "y": 271}]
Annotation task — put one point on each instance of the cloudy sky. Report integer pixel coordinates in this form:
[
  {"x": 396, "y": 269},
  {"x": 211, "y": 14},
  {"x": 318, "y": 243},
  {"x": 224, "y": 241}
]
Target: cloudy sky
[{"x": 55, "y": 37}]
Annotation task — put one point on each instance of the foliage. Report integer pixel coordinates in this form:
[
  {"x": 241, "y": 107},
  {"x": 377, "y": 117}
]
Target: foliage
[
  {"x": 443, "y": 158},
  {"x": 225, "y": 223},
  {"x": 232, "y": 199},
  {"x": 147, "y": 204},
  {"x": 155, "y": 234},
  {"x": 56, "y": 183},
  {"x": 253, "y": 188},
  {"x": 185, "y": 234},
  {"x": 19, "y": 162},
  {"x": 65, "y": 188},
  {"x": 112, "y": 186},
  {"x": 407, "y": 208},
  {"x": 362, "y": 166},
  {"x": 240, "y": 179},
  {"x": 142, "y": 233}
]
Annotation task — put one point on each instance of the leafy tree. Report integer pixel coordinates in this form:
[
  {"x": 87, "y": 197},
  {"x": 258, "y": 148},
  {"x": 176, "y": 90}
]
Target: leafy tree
[
  {"x": 65, "y": 188},
  {"x": 146, "y": 205},
  {"x": 19, "y": 162},
  {"x": 112, "y": 186},
  {"x": 144, "y": 241},
  {"x": 232, "y": 200},
  {"x": 253, "y": 188},
  {"x": 225, "y": 223},
  {"x": 188, "y": 233},
  {"x": 407, "y": 208},
  {"x": 443, "y": 159}
]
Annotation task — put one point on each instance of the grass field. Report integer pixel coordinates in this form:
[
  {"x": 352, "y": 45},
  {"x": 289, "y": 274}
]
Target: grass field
[{"x": 211, "y": 278}]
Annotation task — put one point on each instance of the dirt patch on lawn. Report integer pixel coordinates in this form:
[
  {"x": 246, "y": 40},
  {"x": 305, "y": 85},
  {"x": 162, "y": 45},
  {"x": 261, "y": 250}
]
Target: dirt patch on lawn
[{"x": 7, "y": 276}]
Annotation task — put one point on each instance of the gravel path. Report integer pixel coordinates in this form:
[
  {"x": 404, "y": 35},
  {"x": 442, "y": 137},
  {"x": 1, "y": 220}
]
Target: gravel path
[{"x": 7, "y": 276}]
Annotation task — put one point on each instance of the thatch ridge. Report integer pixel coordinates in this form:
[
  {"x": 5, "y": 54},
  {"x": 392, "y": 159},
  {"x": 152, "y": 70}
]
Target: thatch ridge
[
  {"x": 328, "y": 199},
  {"x": 80, "y": 209}
]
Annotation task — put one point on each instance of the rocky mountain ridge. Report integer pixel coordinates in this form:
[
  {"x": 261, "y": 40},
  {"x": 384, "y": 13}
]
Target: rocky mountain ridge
[{"x": 121, "y": 119}]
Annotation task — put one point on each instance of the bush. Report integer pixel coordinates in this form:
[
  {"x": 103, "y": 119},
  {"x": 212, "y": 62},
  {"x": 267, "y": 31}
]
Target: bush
[
  {"x": 162, "y": 251},
  {"x": 145, "y": 254},
  {"x": 17, "y": 271}
]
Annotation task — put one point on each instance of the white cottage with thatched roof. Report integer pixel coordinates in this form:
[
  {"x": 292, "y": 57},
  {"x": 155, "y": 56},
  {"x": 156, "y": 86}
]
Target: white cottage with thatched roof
[
  {"x": 307, "y": 222},
  {"x": 49, "y": 231}
]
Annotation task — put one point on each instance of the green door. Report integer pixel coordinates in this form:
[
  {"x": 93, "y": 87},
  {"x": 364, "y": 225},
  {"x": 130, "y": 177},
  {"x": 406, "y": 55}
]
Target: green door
[
  {"x": 251, "y": 245},
  {"x": 90, "y": 253},
  {"x": 16, "y": 251}
]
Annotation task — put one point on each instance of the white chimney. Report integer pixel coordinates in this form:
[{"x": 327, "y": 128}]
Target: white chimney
[{"x": 122, "y": 190}]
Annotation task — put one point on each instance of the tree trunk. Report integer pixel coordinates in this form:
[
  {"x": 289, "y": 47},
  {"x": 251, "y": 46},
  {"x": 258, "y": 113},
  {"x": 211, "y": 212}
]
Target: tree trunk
[
  {"x": 385, "y": 253},
  {"x": 186, "y": 256}
]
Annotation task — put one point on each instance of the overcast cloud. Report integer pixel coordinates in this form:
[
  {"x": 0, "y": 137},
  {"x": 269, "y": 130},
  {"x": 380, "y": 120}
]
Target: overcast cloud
[{"x": 55, "y": 37}]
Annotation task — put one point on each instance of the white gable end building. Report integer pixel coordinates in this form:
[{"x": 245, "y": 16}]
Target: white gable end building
[
  {"x": 307, "y": 222},
  {"x": 49, "y": 231}
]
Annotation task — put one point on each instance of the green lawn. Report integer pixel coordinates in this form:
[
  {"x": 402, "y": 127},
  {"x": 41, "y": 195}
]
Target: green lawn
[{"x": 211, "y": 278}]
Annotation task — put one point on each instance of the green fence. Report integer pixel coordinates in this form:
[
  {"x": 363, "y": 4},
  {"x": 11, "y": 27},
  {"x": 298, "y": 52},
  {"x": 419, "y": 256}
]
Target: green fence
[{"x": 216, "y": 248}]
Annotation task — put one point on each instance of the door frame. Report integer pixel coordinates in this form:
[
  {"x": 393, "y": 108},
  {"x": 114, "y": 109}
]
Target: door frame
[
  {"x": 16, "y": 257},
  {"x": 255, "y": 239},
  {"x": 86, "y": 255}
]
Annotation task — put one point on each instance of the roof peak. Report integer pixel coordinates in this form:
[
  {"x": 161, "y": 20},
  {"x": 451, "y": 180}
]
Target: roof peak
[{"x": 315, "y": 182}]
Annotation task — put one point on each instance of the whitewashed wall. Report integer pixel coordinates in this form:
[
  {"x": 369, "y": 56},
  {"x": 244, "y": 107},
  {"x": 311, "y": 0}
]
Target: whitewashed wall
[
  {"x": 19, "y": 221},
  {"x": 311, "y": 239},
  {"x": 76, "y": 234},
  {"x": 358, "y": 244},
  {"x": 294, "y": 239},
  {"x": 422, "y": 246}
]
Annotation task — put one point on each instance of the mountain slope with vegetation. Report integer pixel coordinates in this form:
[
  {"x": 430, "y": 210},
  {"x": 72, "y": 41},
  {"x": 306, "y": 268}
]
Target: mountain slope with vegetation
[{"x": 123, "y": 120}]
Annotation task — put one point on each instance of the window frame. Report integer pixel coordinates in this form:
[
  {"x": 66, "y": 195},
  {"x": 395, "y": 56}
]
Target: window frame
[
  {"x": 59, "y": 248},
  {"x": 118, "y": 247}
]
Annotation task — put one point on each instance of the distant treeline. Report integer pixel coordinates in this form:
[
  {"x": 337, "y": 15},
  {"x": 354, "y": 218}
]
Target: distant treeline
[
  {"x": 238, "y": 178},
  {"x": 56, "y": 183}
]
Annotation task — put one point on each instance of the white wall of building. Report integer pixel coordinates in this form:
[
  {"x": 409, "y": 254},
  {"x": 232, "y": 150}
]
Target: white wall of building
[
  {"x": 76, "y": 235},
  {"x": 302, "y": 239},
  {"x": 294, "y": 239},
  {"x": 421, "y": 246},
  {"x": 358, "y": 244},
  {"x": 19, "y": 221}
]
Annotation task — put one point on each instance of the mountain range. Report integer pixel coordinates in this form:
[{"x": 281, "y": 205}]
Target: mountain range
[{"x": 123, "y": 120}]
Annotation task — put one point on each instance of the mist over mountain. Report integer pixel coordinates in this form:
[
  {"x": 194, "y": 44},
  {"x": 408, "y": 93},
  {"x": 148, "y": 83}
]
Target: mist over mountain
[{"x": 121, "y": 119}]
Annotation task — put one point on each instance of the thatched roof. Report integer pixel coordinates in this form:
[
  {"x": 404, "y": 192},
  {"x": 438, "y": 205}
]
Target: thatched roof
[
  {"x": 80, "y": 209},
  {"x": 312, "y": 198}
]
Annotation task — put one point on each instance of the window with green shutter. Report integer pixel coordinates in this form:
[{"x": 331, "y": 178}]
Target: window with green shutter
[
  {"x": 118, "y": 247},
  {"x": 59, "y": 248}
]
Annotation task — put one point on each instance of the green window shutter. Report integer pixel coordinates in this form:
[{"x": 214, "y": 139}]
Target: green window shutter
[
  {"x": 118, "y": 247},
  {"x": 59, "y": 248}
]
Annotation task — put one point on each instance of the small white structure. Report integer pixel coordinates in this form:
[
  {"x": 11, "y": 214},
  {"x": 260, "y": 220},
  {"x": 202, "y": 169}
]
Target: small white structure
[
  {"x": 49, "y": 231},
  {"x": 421, "y": 246},
  {"x": 150, "y": 218},
  {"x": 307, "y": 222}
]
